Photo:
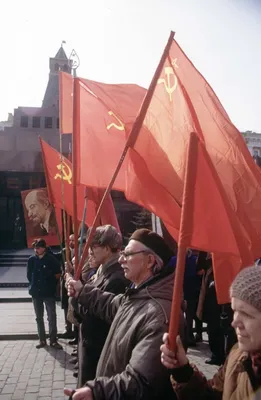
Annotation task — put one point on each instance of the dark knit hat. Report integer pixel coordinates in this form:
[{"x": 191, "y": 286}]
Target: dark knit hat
[
  {"x": 39, "y": 243},
  {"x": 154, "y": 242},
  {"x": 246, "y": 286}
]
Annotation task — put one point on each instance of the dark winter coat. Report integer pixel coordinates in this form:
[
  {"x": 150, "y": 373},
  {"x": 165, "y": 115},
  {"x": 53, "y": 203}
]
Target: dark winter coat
[
  {"x": 42, "y": 275},
  {"x": 93, "y": 330},
  {"x": 130, "y": 366}
]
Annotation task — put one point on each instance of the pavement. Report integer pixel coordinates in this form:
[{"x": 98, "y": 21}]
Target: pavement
[
  {"x": 30, "y": 374},
  {"x": 18, "y": 320}
]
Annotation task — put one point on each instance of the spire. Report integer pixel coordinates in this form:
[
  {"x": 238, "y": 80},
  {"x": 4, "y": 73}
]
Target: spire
[
  {"x": 58, "y": 63},
  {"x": 61, "y": 55}
]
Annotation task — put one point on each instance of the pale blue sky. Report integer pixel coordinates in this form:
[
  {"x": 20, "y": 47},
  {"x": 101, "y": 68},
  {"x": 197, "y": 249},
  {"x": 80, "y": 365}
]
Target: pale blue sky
[{"x": 122, "y": 41}]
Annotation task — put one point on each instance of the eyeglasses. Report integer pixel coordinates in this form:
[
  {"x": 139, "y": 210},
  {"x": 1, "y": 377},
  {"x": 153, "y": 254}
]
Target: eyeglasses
[{"x": 131, "y": 253}]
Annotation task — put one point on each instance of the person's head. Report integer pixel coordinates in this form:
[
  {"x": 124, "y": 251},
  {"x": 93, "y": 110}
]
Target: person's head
[
  {"x": 39, "y": 246},
  {"x": 71, "y": 241},
  {"x": 91, "y": 260},
  {"x": 144, "y": 256},
  {"x": 246, "y": 303},
  {"x": 106, "y": 242},
  {"x": 37, "y": 204}
]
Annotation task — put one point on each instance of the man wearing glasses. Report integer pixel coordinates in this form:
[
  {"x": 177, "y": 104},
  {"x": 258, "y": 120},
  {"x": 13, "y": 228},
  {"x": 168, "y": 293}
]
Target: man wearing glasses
[{"x": 129, "y": 366}]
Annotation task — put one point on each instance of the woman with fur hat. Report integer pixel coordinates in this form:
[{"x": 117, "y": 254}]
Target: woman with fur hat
[{"x": 240, "y": 377}]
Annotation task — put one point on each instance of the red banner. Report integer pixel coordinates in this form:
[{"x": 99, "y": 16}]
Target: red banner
[{"x": 41, "y": 219}]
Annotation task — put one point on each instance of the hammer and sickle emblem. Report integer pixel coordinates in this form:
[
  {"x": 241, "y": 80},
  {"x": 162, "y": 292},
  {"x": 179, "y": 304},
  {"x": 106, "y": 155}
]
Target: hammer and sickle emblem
[
  {"x": 120, "y": 127},
  {"x": 66, "y": 172},
  {"x": 169, "y": 71}
]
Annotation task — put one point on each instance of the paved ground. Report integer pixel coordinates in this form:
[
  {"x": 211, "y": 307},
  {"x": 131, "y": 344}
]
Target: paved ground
[
  {"x": 20, "y": 318},
  {"x": 30, "y": 374},
  {"x": 13, "y": 275}
]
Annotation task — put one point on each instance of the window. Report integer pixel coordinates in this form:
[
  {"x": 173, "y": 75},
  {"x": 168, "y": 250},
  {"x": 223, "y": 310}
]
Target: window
[
  {"x": 57, "y": 67},
  {"x": 48, "y": 122},
  {"x": 65, "y": 68},
  {"x": 57, "y": 123},
  {"x": 24, "y": 121},
  {"x": 36, "y": 122}
]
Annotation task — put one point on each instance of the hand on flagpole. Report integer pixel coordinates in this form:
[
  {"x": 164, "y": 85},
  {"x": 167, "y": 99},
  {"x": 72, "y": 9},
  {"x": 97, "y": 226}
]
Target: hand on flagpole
[
  {"x": 74, "y": 287},
  {"x": 170, "y": 359}
]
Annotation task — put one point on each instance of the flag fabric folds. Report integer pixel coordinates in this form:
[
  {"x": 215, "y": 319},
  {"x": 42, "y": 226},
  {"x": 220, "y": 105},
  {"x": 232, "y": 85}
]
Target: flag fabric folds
[
  {"x": 107, "y": 113},
  {"x": 183, "y": 102},
  {"x": 60, "y": 190}
]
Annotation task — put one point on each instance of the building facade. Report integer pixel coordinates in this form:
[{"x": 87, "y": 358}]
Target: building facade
[{"x": 21, "y": 166}]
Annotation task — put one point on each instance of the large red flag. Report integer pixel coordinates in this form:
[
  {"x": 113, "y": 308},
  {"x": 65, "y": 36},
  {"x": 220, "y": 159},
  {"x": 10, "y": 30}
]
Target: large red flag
[
  {"x": 107, "y": 113},
  {"x": 184, "y": 102},
  {"x": 203, "y": 195}
]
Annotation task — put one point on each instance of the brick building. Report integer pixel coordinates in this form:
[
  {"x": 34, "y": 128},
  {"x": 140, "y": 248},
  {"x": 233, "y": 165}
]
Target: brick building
[{"x": 21, "y": 162}]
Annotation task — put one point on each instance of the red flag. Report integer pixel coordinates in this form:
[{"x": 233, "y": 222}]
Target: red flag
[
  {"x": 204, "y": 204},
  {"x": 107, "y": 113},
  {"x": 183, "y": 102},
  {"x": 108, "y": 215},
  {"x": 60, "y": 190},
  {"x": 66, "y": 102}
]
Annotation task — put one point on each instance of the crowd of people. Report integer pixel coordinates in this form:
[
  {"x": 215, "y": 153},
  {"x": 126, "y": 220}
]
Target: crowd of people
[{"x": 117, "y": 315}]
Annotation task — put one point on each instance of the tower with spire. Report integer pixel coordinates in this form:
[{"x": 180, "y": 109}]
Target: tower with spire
[{"x": 58, "y": 63}]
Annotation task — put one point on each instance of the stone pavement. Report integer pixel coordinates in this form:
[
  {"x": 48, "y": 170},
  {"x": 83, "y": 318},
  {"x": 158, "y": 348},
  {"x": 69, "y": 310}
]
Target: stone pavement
[
  {"x": 30, "y": 374},
  {"x": 19, "y": 319}
]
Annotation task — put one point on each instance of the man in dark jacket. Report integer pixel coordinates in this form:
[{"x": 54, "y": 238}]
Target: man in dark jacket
[
  {"x": 43, "y": 272},
  {"x": 110, "y": 278},
  {"x": 129, "y": 366}
]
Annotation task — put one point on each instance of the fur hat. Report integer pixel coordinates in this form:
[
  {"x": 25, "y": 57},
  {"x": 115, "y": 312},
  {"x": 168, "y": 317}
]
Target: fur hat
[
  {"x": 246, "y": 286},
  {"x": 154, "y": 242},
  {"x": 107, "y": 235}
]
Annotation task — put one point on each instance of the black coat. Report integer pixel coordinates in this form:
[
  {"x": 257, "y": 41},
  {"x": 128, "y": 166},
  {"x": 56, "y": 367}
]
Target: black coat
[
  {"x": 42, "y": 275},
  {"x": 94, "y": 331}
]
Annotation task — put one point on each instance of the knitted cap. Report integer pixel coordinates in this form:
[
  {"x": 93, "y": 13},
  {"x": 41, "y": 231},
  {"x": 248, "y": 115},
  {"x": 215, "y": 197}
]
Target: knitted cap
[
  {"x": 246, "y": 286},
  {"x": 107, "y": 235},
  {"x": 154, "y": 242}
]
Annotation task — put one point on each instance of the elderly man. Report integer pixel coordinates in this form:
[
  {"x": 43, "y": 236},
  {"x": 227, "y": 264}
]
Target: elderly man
[
  {"x": 240, "y": 377},
  {"x": 40, "y": 212},
  {"x": 129, "y": 366}
]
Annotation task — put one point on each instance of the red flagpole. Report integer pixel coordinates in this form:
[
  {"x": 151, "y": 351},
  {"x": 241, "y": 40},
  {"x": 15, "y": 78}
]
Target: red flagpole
[
  {"x": 184, "y": 238},
  {"x": 75, "y": 134}
]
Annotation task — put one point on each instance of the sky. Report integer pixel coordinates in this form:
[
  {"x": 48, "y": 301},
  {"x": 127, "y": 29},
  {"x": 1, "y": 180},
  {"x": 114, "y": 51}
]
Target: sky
[{"x": 121, "y": 41}]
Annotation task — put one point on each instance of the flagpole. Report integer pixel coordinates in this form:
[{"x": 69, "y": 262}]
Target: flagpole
[
  {"x": 184, "y": 238},
  {"x": 76, "y": 125},
  {"x": 83, "y": 222},
  {"x": 130, "y": 142}
]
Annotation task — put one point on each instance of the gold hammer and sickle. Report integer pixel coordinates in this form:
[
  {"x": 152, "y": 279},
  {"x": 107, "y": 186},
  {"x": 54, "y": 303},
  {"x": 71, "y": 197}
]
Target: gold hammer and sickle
[
  {"x": 120, "y": 127},
  {"x": 66, "y": 172},
  {"x": 170, "y": 89}
]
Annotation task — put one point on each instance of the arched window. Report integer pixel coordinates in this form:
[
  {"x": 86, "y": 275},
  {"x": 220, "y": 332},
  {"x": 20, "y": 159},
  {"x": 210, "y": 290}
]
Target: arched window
[
  {"x": 65, "y": 68},
  {"x": 56, "y": 67}
]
